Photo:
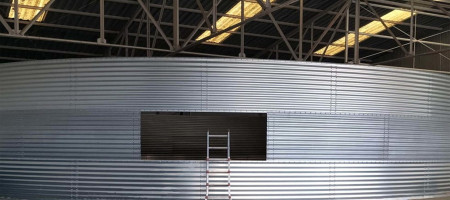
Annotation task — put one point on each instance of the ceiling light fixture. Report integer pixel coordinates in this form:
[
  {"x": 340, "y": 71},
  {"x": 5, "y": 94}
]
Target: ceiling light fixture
[
  {"x": 28, "y": 13},
  {"x": 233, "y": 16},
  {"x": 392, "y": 18}
]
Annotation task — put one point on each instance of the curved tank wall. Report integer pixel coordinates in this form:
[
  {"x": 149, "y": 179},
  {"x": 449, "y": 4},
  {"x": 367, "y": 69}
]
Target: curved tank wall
[{"x": 70, "y": 129}]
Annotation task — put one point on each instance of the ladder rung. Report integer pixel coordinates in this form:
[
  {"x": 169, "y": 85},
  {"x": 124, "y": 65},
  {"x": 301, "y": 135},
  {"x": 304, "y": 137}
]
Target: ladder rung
[
  {"x": 218, "y": 197},
  {"x": 218, "y": 159},
  {"x": 224, "y": 148},
  {"x": 220, "y": 136},
  {"x": 218, "y": 172},
  {"x": 219, "y": 184}
]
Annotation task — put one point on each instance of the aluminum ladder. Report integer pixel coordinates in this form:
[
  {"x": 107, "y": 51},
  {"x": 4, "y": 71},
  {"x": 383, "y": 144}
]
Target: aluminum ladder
[{"x": 214, "y": 166}]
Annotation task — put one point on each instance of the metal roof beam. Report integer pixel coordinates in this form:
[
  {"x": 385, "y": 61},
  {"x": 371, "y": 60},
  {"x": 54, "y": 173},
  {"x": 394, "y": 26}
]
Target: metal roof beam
[
  {"x": 340, "y": 14},
  {"x": 102, "y": 44},
  {"x": 218, "y": 14},
  {"x": 5, "y": 24},
  {"x": 155, "y": 36},
  {"x": 392, "y": 3},
  {"x": 269, "y": 10},
  {"x": 36, "y": 17},
  {"x": 404, "y": 39},
  {"x": 405, "y": 6},
  {"x": 266, "y": 8},
  {"x": 191, "y": 27},
  {"x": 414, "y": 56},
  {"x": 191, "y": 53},
  {"x": 150, "y": 16},
  {"x": 199, "y": 25},
  {"x": 395, "y": 5},
  {"x": 386, "y": 27},
  {"x": 307, "y": 23},
  {"x": 330, "y": 40},
  {"x": 49, "y": 51},
  {"x": 127, "y": 25},
  {"x": 205, "y": 15},
  {"x": 429, "y": 3},
  {"x": 441, "y": 8}
]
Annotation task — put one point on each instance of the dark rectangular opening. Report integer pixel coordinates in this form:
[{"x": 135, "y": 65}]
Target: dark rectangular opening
[{"x": 182, "y": 135}]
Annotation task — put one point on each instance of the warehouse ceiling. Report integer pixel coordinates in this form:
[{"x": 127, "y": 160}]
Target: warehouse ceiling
[{"x": 72, "y": 29}]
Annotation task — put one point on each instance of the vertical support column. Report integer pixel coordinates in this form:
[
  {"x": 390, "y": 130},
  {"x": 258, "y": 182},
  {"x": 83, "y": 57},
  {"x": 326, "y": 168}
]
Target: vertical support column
[
  {"x": 102, "y": 23},
  {"x": 125, "y": 35},
  {"x": 414, "y": 43},
  {"x": 356, "y": 49},
  {"x": 119, "y": 49},
  {"x": 16, "y": 17},
  {"x": 176, "y": 24},
  {"x": 214, "y": 16},
  {"x": 312, "y": 40},
  {"x": 411, "y": 30},
  {"x": 147, "y": 3},
  {"x": 300, "y": 35},
  {"x": 242, "y": 53},
  {"x": 347, "y": 22},
  {"x": 276, "y": 52}
]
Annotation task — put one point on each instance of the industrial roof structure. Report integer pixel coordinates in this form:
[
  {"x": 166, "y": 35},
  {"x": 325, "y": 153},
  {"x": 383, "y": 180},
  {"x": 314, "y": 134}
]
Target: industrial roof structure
[{"x": 50, "y": 29}]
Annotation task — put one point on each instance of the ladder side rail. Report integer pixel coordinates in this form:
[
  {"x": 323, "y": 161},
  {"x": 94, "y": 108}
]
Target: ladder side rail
[
  {"x": 228, "y": 144},
  {"x": 207, "y": 145},
  {"x": 229, "y": 167},
  {"x": 207, "y": 164}
]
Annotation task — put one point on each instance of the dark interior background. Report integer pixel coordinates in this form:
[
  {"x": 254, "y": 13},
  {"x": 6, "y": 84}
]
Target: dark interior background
[{"x": 182, "y": 136}]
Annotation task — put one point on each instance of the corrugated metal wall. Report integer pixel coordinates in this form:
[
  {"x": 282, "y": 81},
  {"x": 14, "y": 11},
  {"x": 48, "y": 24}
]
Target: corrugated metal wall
[{"x": 70, "y": 129}]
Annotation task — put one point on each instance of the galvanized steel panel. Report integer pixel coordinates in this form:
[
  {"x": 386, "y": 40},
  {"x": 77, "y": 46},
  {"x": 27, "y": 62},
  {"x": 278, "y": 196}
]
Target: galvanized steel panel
[
  {"x": 69, "y": 129},
  {"x": 134, "y": 179},
  {"x": 326, "y": 136}
]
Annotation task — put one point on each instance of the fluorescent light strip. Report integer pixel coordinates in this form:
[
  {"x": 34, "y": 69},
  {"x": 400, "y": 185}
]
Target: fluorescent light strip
[
  {"x": 392, "y": 18},
  {"x": 28, "y": 13},
  {"x": 233, "y": 16}
]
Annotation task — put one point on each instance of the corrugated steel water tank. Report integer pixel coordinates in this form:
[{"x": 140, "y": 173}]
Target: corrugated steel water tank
[{"x": 70, "y": 129}]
